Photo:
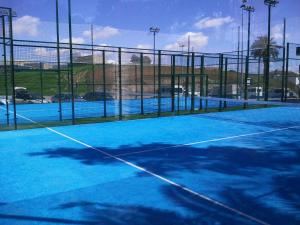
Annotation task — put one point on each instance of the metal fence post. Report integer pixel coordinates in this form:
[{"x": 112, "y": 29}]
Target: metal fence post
[
  {"x": 136, "y": 81},
  {"x": 93, "y": 65},
  {"x": 159, "y": 82},
  {"x": 258, "y": 79},
  {"x": 287, "y": 71},
  {"x": 206, "y": 92},
  {"x": 283, "y": 60},
  {"x": 71, "y": 60},
  {"x": 104, "y": 83},
  {"x": 58, "y": 62},
  {"x": 41, "y": 82},
  {"x": 201, "y": 80},
  {"x": 246, "y": 81},
  {"x": 193, "y": 83},
  {"x": 5, "y": 70},
  {"x": 220, "y": 79},
  {"x": 12, "y": 67},
  {"x": 142, "y": 82},
  {"x": 173, "y": 82},
  {"x": 225, "y": 82},
  {"x": 120, "y": 83},
  {"x": 186, "y": 94}
]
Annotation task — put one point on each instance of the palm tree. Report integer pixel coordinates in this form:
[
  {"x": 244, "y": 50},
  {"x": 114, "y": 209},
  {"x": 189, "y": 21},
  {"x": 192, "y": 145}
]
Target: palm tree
[{"x": 259, "y": 48}]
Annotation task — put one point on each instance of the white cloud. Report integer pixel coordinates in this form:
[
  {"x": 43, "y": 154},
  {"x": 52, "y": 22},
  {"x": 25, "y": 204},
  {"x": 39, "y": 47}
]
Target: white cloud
[
  {"x": 75, "y": 40},
  {"x": 177, "y": 25},
  {"x": 277, "y": 32},
  {"x": 102, "y": 32},
  {"x": 144, "y": 46},
  {"x": 197, "y": 41},
  {"x": 43, "y": 52},
  {"x": 209, "y": 22},
  {"x": 26, "y": 25}
]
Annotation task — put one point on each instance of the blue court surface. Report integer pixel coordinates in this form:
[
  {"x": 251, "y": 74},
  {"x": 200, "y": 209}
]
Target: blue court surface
[
  {"x": 239, "y": 167},
  {"x": 50, "y": 112}
]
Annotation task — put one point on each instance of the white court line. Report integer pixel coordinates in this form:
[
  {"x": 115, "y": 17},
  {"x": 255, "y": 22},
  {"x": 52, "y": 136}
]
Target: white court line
[
  {"x": 201, "y": 196},
  {"x": 208, "y": 141}
]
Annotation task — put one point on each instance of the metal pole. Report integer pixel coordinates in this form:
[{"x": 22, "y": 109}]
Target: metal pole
[
  {"x": 247, "y": 60},
  {"x": 283, "y": 60},
  {"x": 258, "y": 79},
  {"x": 104, "y": 82},
  {"x": 238, "y": 65},
  {"x": 267, "y": 75},
  {"x": 142, "y": 82},
  {"x": 187, "y": 81},
  {"x": 12, "y": 67},
  {"x": 286, "y": 70},
  {"x": 206, "y": 92},
  {"x": 120, "y": 84},
  {"x": 187, "y": 77},
  {"x": 225, "y": 81},
  {"x": 242, "y": 54},
  {"x": 58, "y": 62},
  {"x": 193, "y": 83},
  {"x": 93, "y": 66},
  {"x": 5, "y": 70},
  {"x": 220, "y": 79},
  {"x": 173, "y": 82},
  {"x": 159, "y": 82},
  {"x": 42, "y": 82},
  {"x": 201, "y": 81},
  {"x": 154, "y": 61},
  {"x": 136, "y": 81},
  {"x": 299, "y": 82},
  {"x": 71, "y": 61}
]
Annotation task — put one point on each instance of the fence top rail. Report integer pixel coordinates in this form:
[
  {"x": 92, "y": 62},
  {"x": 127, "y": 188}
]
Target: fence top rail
[{"x": 95, "y": 47}]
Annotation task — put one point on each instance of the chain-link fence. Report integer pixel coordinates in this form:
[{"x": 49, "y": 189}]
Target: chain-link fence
[{"x": 112, "y": 83}]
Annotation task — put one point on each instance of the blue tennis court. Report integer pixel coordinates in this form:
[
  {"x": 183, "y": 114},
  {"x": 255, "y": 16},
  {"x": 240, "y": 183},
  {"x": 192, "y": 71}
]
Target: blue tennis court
[
  {"x": 95, "y": 109},
  {"x": 238, "y": 167}
]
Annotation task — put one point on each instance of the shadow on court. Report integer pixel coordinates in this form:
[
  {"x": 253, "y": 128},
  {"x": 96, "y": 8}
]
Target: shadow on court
[{"x": 267, "y": 182}]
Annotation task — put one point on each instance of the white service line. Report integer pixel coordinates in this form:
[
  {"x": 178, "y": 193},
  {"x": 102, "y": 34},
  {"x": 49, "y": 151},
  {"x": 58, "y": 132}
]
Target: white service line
[
  {"x": 210, "y": 200},
  {"x": 207, "y": 141}
]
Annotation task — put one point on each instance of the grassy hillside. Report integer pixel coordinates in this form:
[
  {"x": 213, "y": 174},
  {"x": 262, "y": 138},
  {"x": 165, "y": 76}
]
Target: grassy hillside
[{"x": 83, "y": 78}]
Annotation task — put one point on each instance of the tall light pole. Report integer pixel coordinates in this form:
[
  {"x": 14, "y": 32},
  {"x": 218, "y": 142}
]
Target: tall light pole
[
  {"x": 249, "y": 9},
  {"x": 242, "y": 47},
  {"x": 270, "y": 4},
  {"x": 154, "y": 30}
]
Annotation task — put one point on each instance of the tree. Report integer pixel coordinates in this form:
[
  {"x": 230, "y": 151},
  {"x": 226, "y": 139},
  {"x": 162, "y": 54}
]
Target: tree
[
  {"x": 136, "y": 59},
  {"x": 259, "y": 48}
]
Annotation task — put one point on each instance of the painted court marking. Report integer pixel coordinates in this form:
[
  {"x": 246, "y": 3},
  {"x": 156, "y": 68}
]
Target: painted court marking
[
  {"x": 201, "y": 196},
  {"x": 208, "y": 141}
]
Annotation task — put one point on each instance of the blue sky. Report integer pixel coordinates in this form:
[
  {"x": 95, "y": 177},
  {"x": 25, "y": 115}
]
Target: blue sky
[{"x": 211, "y": 24}]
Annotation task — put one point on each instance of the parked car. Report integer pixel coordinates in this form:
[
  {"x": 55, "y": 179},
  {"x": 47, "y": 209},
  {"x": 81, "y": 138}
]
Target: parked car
[
  {"x": 66, "y": 97},
  {"x": 2, "y": 102},
  {"x": 97, "y": 96},
  {"x": 24, "y": 96}
]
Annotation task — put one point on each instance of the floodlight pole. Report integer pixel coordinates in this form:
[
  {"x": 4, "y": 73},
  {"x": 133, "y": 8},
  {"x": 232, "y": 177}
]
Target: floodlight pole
[
  {"x": 10, "y": 13},
  {"x": 270, "y": 4},
  {"x": 242, "y": 48},
  {"x": 238, "y": 63},
  {"x": 283, "y": 91},
  {"x": 249, "y": 9},
  {"x": 58, "y": 62},
  {"x": 154, "y": 30},
  {"x": 71, "y": 60}
]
